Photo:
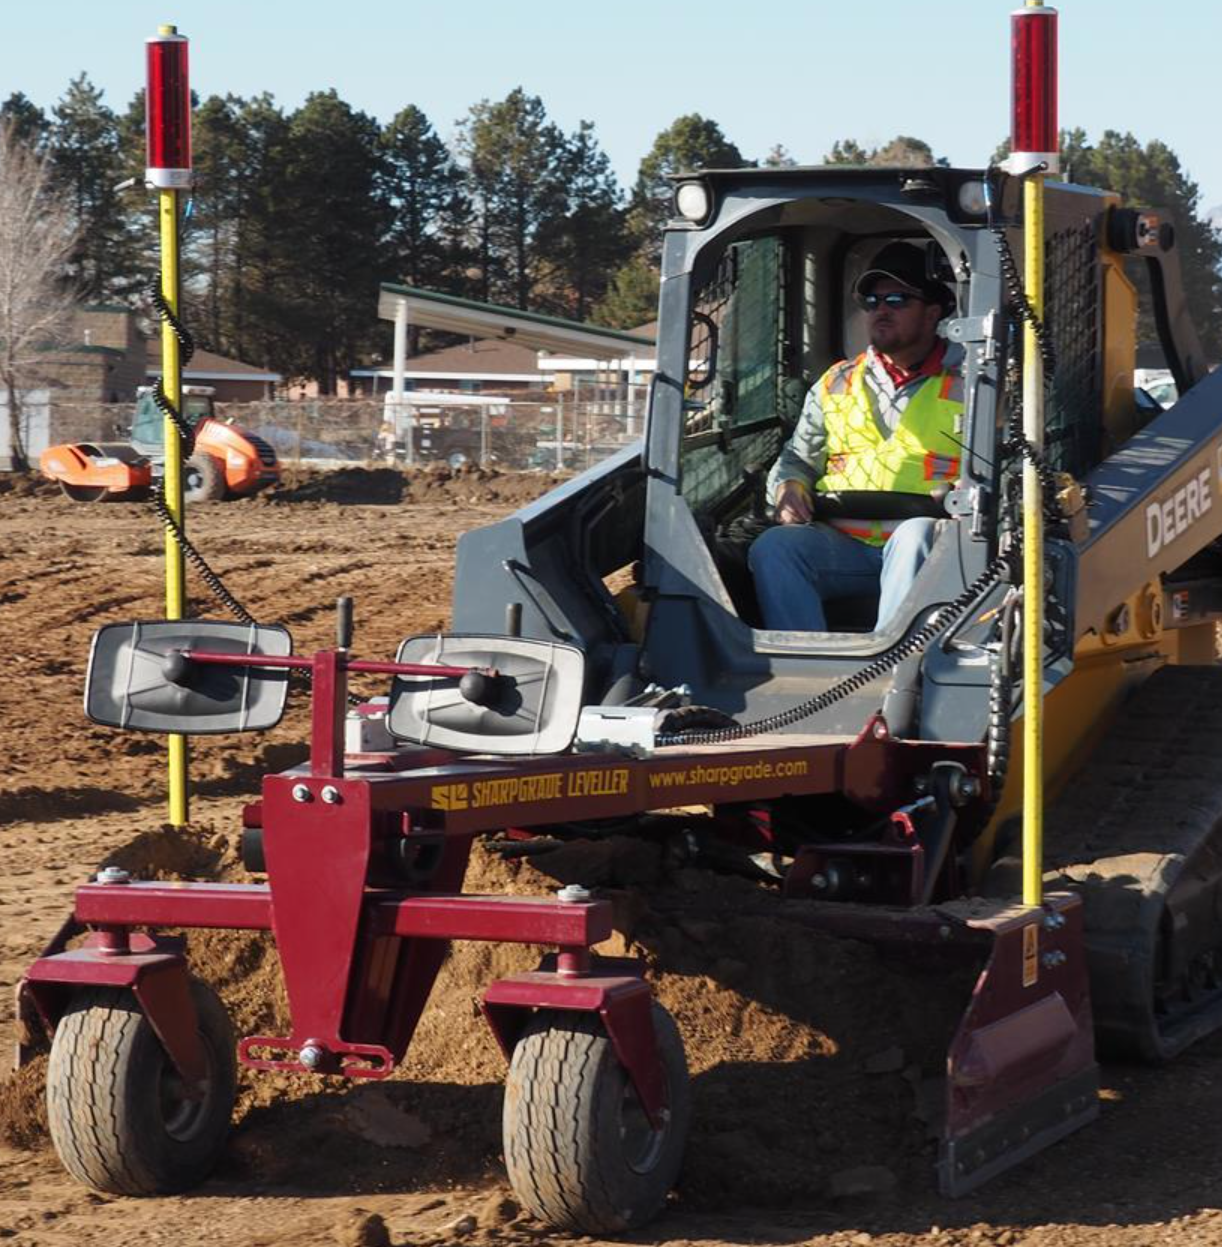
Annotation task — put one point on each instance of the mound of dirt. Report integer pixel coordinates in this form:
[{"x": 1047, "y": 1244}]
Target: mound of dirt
[
  {"x": 386, "y": 486},
  {"x": 810, "y": 1056},
  {"x": 27, "y": 485},
  {"x": 23, "y": 1106}
]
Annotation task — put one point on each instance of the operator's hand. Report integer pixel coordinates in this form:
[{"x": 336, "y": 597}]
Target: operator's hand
[{"x": 793, "y": 503}]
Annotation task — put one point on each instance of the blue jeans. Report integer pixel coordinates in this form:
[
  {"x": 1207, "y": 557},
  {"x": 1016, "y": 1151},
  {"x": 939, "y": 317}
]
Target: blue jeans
[{"x": 798, "y": 567}]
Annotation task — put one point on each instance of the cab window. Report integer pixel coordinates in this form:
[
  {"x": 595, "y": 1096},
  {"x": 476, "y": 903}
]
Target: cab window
[{"x": 735, "y": 397}]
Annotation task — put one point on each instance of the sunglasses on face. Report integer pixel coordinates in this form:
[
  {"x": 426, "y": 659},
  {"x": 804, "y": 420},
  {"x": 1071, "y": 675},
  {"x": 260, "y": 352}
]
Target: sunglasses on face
[{"x": 893, "y": 298}]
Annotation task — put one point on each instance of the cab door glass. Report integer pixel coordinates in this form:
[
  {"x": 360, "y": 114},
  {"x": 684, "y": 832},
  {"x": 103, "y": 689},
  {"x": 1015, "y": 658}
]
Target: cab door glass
[{"x": 737, "y": 345}]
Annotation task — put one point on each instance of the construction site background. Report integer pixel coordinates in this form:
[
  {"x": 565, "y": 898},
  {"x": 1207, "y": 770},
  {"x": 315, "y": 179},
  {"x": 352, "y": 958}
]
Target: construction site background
[{"x": 518, "y": 433}]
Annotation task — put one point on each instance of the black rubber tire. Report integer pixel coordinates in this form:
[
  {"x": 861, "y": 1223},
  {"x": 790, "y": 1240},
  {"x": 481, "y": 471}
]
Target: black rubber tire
[
  {"x": 203, "y": 479},
  {"x": 116, "y": 1121},
  {"x": 578, "y": 1147}
]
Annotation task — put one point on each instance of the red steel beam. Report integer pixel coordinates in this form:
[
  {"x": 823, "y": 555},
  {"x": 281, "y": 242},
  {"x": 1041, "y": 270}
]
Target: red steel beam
[
  {"x": 240, "y": 906},
  {"x": 509, "y": 919},
  {"x": 248, "y": 907}
]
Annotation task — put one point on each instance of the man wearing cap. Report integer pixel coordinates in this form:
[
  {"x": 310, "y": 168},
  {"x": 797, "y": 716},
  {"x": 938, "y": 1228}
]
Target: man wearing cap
[{"x": 887, "y": 421}]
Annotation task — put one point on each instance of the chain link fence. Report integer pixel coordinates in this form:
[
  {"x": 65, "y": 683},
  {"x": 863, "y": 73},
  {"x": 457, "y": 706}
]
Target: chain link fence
[{"x": 543, "y": 431}]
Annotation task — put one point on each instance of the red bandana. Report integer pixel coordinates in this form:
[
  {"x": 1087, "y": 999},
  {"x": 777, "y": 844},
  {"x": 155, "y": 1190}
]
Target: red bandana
[{"x": 930, "y": 366}]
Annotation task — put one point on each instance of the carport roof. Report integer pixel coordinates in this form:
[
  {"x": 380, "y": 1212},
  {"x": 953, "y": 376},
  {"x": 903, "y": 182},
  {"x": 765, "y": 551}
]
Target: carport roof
[{"x": 489, "y": 320}]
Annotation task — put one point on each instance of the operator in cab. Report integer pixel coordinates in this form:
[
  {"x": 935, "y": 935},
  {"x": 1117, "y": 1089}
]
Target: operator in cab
[{"x": 885, "y": 422}]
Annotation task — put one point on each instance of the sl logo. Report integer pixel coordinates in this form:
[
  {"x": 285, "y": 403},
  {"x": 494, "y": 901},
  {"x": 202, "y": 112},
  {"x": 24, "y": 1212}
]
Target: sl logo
[{"x": 450, "y": 797}]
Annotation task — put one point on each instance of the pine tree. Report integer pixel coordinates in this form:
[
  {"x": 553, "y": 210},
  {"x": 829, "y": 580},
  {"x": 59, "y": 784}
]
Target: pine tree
[
  {"x": 27, "y": 122},
  {"x": 847, "y": 152},
  {"x": 779, "y": 158},
  {"x": 262, "y": 262},
  {"x": 218, "y": 149},
  {"x": 427, "y": 199},
  {"x": 632, "y": 297},
  {"x": 515, "y": 158},
  {"x": 1152, "y": 177},
  {"x": 89, "y": 165},
  {"x": 903, "y": 152},
  {"x": 689, "y": 143},
  {"x": 331, "y": 241},
  {"x": 589, "y": 240}
]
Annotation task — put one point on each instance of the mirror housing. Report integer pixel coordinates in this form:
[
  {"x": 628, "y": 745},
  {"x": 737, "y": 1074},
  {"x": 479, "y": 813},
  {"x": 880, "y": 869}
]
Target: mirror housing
[
  {"x": 139, "y": 680},
  {"x": 530, "y": 706}
]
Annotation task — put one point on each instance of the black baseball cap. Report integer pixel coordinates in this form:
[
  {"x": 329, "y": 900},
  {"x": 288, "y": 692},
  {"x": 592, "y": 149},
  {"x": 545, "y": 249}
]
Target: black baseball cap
[{"x": 904, "y": 263}]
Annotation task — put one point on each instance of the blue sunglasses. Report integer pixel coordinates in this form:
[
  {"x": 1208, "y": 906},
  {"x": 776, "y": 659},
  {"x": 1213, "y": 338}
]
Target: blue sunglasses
[{"x": 893, "y": 298}]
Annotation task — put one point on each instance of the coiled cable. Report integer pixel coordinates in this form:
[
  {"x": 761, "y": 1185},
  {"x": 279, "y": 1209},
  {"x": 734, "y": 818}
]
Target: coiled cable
[
  {"x": 196, "y": 559},
  {"x": 186, "y": 348}
]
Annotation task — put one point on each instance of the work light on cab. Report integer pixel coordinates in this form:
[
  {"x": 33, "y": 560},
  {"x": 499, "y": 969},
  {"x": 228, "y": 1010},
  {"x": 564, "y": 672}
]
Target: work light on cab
[{"x": 692, "y": 201}]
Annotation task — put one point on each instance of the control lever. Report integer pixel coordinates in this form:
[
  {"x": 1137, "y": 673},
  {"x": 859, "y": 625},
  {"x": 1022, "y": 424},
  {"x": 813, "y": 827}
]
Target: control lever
[{"x": 343, "y": 623}]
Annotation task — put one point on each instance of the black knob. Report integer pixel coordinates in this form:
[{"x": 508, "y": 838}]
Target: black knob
[
  {"x": 478, "y": 687},
  {"x": 177, "y": 667}
]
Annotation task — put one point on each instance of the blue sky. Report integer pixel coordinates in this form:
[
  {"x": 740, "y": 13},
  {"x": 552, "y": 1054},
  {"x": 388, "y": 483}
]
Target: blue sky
[{"x": 802, "y": 73}]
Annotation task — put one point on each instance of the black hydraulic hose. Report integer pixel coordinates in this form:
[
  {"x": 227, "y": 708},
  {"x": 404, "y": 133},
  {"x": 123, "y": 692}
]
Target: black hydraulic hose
[
  {"x": 219, "y": 589},
  {"x": 1020, "y": 303},
  {"x": 1001, "y": 696},
  {"x": 912, "y": 644},
  {"x": 197, "y": 560},
  {"x": 187, "y": 433}
]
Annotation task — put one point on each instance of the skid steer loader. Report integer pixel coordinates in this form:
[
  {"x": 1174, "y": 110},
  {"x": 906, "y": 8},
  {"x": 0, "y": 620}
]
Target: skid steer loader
[
  {"x": 758, "y": 266},
  {"x": 865, "y": 773}
]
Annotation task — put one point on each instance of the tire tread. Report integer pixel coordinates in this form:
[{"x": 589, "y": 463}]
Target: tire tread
[{"x": 556, "y": 1107}]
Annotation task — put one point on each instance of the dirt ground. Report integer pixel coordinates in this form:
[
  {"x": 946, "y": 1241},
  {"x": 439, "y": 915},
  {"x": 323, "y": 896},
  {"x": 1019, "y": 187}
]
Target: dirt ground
[{"x": 811, "y": 1059}]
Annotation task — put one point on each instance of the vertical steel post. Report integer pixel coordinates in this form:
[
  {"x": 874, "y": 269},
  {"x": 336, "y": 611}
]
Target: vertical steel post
[
  {"x": 168, "y": 169},
  {"x": 402, "y": 414},
  {"x": 175, "y": 563},
  {"x": 1034, "y": 144},
  {"x": 560, "y": 431}
]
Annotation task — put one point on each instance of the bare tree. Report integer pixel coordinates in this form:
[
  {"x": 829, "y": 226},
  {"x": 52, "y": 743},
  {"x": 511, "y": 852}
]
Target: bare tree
[{"x": 37, "y": 234}]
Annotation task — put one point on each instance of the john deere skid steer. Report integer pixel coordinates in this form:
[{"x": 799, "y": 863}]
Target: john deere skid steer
[{"x": 641, "y": 562}]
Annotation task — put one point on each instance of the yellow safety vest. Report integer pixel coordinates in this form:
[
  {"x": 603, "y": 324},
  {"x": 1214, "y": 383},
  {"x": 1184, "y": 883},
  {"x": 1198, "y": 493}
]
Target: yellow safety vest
[{"x": 917, "y": 456}]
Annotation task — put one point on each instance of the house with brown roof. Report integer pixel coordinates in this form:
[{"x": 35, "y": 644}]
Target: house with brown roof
[
  {"x": 233, "y": 380},
  {"x": 476, "y": 366},
  {"x": 105, "y": 360}
]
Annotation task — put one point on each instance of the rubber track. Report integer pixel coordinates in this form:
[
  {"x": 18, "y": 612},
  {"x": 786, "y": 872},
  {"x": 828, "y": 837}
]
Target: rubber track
[
  {"x": 1147, "y": 806},
  {"x": 84, "y": 1099}
]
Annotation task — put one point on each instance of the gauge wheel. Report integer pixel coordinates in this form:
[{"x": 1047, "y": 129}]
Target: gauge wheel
[
  {"x": 120, "y": 1116},
  {"x": 580, "y": 1150}
]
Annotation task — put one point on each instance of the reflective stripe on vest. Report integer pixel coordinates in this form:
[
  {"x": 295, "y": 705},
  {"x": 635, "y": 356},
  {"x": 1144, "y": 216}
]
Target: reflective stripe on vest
[
  {"x": 873, "y": 532},
  {"x": 917, "y": 456}
]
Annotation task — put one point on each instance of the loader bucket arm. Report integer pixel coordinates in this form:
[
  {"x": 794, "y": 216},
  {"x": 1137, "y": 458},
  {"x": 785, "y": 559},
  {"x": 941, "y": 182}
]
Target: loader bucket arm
[{"x": 1149, "y": 234}]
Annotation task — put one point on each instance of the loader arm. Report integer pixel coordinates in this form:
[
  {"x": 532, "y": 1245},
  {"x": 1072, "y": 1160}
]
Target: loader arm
[{"x": 540, "y": 573}]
